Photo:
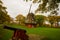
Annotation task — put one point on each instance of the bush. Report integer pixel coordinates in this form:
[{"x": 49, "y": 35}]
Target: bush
[
  {"x": 1, "y": 31},
  {"x": 46, "y": 25}
]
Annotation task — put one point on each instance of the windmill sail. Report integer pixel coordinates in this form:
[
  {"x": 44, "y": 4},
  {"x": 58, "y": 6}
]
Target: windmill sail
[{"x": 30, "y": 8}]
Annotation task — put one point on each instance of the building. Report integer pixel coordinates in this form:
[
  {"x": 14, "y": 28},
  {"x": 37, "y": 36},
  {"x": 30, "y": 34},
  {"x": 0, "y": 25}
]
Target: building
[{"x": 30, "y": 20}]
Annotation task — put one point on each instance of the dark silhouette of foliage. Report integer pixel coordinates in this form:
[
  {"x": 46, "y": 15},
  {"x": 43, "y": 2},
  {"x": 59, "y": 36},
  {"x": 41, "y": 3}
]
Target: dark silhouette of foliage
[
  {"x": 46, "y": 5},
  {"x": 40, "y": 19},
  {"x": 3, "y": 13}
]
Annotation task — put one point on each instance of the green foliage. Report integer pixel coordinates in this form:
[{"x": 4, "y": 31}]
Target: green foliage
[
  {"x": 3, "y": 13},
  {"x": 2, "y": 32},
  {"x": 46, "y": 5},
  {"x": 52, "y": 5},
  {"x": 1, "y": 2},
  {"x": 40, "y": 19},
  {"x": 20, "y": 19},
  {"x": 50, "y": 33},
  {"x": 51, "y": 20},
  {"x": 54, "y": 12}
]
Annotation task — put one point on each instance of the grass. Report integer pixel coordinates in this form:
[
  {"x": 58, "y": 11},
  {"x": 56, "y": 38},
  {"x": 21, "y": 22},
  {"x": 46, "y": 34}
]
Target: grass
[{"x": 51, "y": 33}]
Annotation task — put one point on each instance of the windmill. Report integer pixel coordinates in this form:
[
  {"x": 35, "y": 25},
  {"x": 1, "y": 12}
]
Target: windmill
[{"x": 30, "y": 19}]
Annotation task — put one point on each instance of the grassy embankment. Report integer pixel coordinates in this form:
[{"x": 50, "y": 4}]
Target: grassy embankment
[{"x": 50, "y": 33}]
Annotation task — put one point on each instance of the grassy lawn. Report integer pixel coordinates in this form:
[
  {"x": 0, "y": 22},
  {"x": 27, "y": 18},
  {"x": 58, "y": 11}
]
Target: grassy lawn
[{"x": 51, "y": 33}]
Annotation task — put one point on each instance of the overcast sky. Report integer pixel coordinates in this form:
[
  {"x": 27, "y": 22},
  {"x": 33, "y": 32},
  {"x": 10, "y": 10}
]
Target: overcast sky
[{"x": 15, "y": 7}]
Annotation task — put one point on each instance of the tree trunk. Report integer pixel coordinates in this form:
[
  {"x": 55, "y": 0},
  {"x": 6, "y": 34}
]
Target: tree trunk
[
  {"x": 57, "y": 24},
  {"x": 19, "y": 22},
  {"x": 51, "y": 25}
]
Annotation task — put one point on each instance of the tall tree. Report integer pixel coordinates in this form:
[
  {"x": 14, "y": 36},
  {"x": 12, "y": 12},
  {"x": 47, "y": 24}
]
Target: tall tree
[
  {"x": 54, "y": 13},
  {"x": 40, "y": 19},
  {"x": 55, "y": 16},
  {"x": 46, "y": 5},
  {"x": 20, "y": 19},
  {"x": 3, "y": 13},
  {"x": 51, "y": 20}
]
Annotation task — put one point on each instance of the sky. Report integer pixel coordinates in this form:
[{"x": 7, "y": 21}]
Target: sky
[{"x": 15, "y": 7}]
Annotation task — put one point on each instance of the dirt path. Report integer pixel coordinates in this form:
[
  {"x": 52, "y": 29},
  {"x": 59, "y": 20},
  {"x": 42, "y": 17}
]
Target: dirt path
[{"x": 35, "y": 37}]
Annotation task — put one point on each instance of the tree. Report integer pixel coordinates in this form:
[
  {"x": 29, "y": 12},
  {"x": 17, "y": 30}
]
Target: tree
[
  {"x": 46, "y": 5},
  {"x": 20, "y": 19},
  {"x": 40, "y": 19},
  {"x": 54, "y": 15},
  {"x": 3, "y": 13},
  {"x": 8, "y": 19},
  {"x": 57, "y": 18},
  {"x": 52, "y": 20}
]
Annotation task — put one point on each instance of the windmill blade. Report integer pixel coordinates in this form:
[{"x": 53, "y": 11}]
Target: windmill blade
[{"x": 30, "y": 8}]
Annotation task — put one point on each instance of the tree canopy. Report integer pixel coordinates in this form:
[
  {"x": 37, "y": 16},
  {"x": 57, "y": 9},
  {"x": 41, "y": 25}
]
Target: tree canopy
[
  {"x": 20, "y": 19},
  {"x": 46, "y": 5},
  {"x": 40, "y": 19},
  {"x": 3, "y": 13}
]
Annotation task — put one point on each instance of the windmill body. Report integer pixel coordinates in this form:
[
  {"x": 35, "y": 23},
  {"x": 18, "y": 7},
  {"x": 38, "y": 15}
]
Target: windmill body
[{"x": 30, "y": 19}]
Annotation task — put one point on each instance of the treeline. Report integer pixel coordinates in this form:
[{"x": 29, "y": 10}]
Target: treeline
[
  {"x": 40, "y": 20},
  {"x": 53, "y": 18}
]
